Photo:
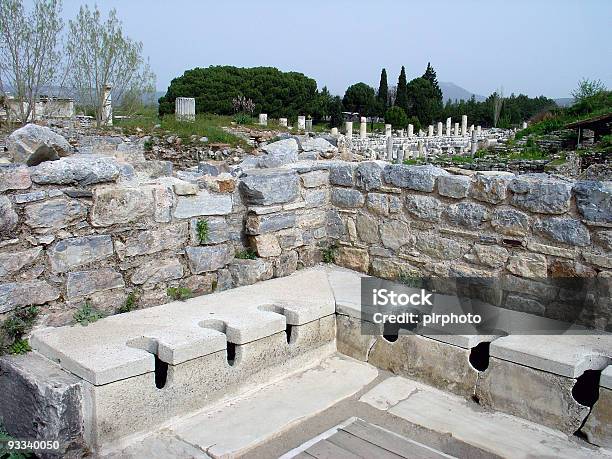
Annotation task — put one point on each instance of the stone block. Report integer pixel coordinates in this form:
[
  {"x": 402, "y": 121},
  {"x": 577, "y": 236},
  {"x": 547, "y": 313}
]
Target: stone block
[
  {"x": 14, "y": 177},
  {"x": 33, "y": 144},
  {"x": 453, "y": 186},
  {"x": 121, "y": 205},
  {"x": 594, "y": 200},
  {"x": 368, "y": 175},
  {"x": 315, "y": 179},
  {"x": 425, "y": 208},
  {"x": 510, "y": 222},
  {"x": 259, "y": 224},
  {"x": 8, "y": 217},
  {"x": 279, "y": 153},
  {"x": 209, "y": 258},
  {"x": 490, "y": 188},
  {"x": 347, "y": 198},
  {"x": 351, "y": 339},
  {"x": 565, "y": 230},
  {"x": 440, "y": 247},
  {"x": 13, "y": 261},
  {"x": 316, "y": 197},
  {"x": 531, "y": 265},
  {"x": 367, "y": 228},
  {"x": 266, "y": 245},
  {"x": 491, "y": 255},
  {"x": 42, "y": 402},
  {"x": 353, "y": 258},
  {"x": 342, "y": 174},
  {"x": 540, "y": 193},
  {"x": 80, "y": 170},
  {"x": 523, "y": 304},
  {"x": 419, "y": 178},
  {"x": 201, "y": 284},
  {"x": 551, "y": 250},
  {"x": 169, "y": 237},
  {"x": 395, "y": 234},
  {"x": 164, "y": 201},
  {"x": 268, "y": 187},
  {"x": 54, "y": 214},
  {"x": 79, "y": 284},
  {"x": 157, "y": 271},
  {"x": 218, "y": 230},
  {"x": 598, "y": 426},
  {"x": 467, "y": 214},
  {"x": 290, "y": 238},
  {"x": 73, "y": 252},
  {"x": 204, "y": 203},
  {"x": 334, "y": 225},
  {"x": 286, "y": 264},
  {"x": 247, "y": 272},
  {"x": 531, "y": 394},
  {"x": 378, "y": 203},
  {"x": 17, "y": 294}
]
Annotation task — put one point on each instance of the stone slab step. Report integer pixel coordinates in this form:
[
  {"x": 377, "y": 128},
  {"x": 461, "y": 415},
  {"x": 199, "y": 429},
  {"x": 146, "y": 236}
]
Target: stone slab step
[
  {"x": 238, "y": 426},
  {"x": 496, "y": 433},
  {"x": 125, "y": 345}
]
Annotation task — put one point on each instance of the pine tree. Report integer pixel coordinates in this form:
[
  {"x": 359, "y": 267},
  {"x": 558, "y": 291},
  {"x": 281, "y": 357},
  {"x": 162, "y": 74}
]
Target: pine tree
[
  {"x": 430, "y": 75},
  {"x": 401, "y": 99},
  {"x": 383, "y": 91}
]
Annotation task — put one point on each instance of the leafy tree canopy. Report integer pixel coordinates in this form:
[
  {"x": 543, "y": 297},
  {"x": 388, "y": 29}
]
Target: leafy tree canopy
[
  {"x": 396, "y": 116},
  {"x": 360, "y": 98}
]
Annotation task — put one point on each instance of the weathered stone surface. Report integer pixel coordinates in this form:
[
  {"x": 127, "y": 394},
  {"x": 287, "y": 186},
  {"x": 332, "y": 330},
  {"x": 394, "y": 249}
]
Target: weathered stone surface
[
  {"x": 170, "y": 237},
  {"x": 286, "y": 264},
  {"x": 569, "y": 268},
  {"x": 121, "y": 205},
  {"x": 83, "y": 283},
  {"x": 204, "y": 203},
  {"x": 540, "y": 193},
  {"x": 14, "y": 177},
  {"x": 70, "y": 253},
  {"x": 290, "y": 238},
  {"x": 40, "y": 401},
  {"x": 523, "y": 304},
  {"x": 531, "y": 287},
  {"x": 318, "y": 144},
  {"x": 550, "y": 250},
  {"x": 259, "y": 224},
  {"x": 467, "y": 214},
  {"x": 164, "y": 201},
  {"x": 598, "y": 426},
  {"x": 334, "y": 225},
  {"x": 315, "y": 179},
  {"x": 491, "y": 255},
  {"x": 316, "y": 197},
  {"x": 222, "y": 183},
  {"x": 378, "y": 203},
  {"x": 368, "y": 175},
  {"x": 566, "y": 230},
  {"x": 490, "y": 188},
  {"x": 157, "y": 271},
  {"x": 209, "y": 258},
  {"x": 453, "y": 186},
  {"x": 218, "y": 230},
  {"x": 200, "y": 284},
  {"x": 79, "y": 169},
  {"x": 353, "y": 258},
  {"x": 350, "y": 339},
  {"x": 54, "y": 214},
  {"x": 8, "y": 217},
  {"x": 267, "y": 187},
  {"x": 426, "y": 208},
  {"x": 247, "y": 272},
  {"x": 367, "y": 228},
  {"x": 532, "y": 265},
  {"x": 30, "y": 197},
  {"x": 525, "y": 392},
  {"x": 395, "y": 234},
  {"x": 16, "y": 294},
  {"x": 279, "y": 153},
  {"x": 420, "y": 178},
  {"x": 25, "y": 145},
  {"x": 266, "y": 245},
  {"x": 598, "y": 259},
  {"x": 311, "y": 219},
  {"x": 183, "y": 188},
  {"x": 13, "y": 261},
  {"x": 342, "y": 174},
  {"x": 594, "y": 200},
  {"x": 510, "y": 222},
  {"x": 348, "y": 198},
  {"x": 440, "y": 247},
  {"x": 605, "y": 239}
]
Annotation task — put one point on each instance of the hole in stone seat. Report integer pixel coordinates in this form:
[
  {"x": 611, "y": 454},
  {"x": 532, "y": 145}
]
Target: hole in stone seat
[
  {"x": 391, "y": 332},
  {"x": 288, "y": 331},
  {"x": 161, "y": 373},
  {"x": 479, "y": 356},
  {"x": 586, "y": 389},
  {"x": 231, "y": 354}
]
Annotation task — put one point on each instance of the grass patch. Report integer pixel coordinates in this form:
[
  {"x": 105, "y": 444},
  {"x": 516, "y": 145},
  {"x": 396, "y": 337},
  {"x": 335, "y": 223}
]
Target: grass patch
[
  {"x": 13, "y": 330},
  {"x": 179, "y": 293},
  {"x": 328, "y": 254},
  {"x": 458, "y": 159},
  {"x": 87, "y": 314},
  {"x": 202, "y": 230},
  {"x": 246, "y": 254},
  {"x": 131, "y": 303}
]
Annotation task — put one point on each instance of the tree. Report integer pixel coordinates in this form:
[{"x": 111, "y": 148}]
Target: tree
[
  {"x": 29, "y": 57},
  {"x": 430, "y": 75},
  {"x": 360, "y": 98},
  {"x": 383, "y": 92},
  {"x": 401, "y": 97},
  {"x": 422, "y": 100},
  {"x": 587, "y": 88},
  {"x": 322, "y": 105},
  {"x": 498, "y": 102},
  {"x": 100, "y": 55},
  {"x": 335, "y": 112},
  {"x": 396, "y": 116}
]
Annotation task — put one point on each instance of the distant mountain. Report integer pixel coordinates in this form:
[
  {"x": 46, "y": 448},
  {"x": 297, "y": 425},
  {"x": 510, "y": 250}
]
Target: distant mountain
[
  {"x": 453, "y": 92},
  {"x": 564, "y": 101}
]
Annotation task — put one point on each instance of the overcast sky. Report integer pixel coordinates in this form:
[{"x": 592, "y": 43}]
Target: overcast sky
[{"x": 529, "y": 46}]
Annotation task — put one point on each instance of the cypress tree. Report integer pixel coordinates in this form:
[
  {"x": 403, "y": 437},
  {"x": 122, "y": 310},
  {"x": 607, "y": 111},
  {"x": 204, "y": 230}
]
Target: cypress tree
[
  {"x": 383, "y": 91},
  {"x": 401, "y": 99},
  {"x": 430, "y": 75}
]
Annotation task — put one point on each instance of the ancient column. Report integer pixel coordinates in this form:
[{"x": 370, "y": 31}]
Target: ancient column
[
  {"x": 389, "y": 148},
  {"x": 348, "y": 129},
  {"x": 334, "y": 131},
  {"x": 440, "y": 133},
  {"x": 456, "y": 128},
  {"x": 363, "y": 127},
  {"x": 388, "y": 128},
  {"x": 420, "y": 148},
  {"x": 400, "y": 155},
  {"x": 448, "y": 127},
  {"x": 410, "y": 130},
  {"x": 471, "y": 128},
  {"x": 282, "y": 122},
  {"x": 301, "y": 123},
  {"x": 478, "y": 130},
  {"x": 400, "y": 133},
  {"x": 474, "y": 145},
  {"x": 308, "y": 125},
  {"x": 107, "y": 106},
  {"x": 263, "y": 119},
  {"x": 430, "y": 131},
  {"x": 184, "y": 108},
  {"x": 464, "y": 125},
  {"x": 524, "y": 124}
]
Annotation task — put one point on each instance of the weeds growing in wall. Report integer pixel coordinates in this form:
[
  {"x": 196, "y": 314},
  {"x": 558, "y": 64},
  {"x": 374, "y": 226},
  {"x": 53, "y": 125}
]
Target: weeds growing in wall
[{"x": 13, "y": 330}]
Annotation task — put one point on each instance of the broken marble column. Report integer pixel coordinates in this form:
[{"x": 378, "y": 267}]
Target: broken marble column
[
  {"x": 474, "y": 144},
  {"x": 282, "y": 122},
  {"x": 308, "y": 125},
  {"x": 334, "y": 131},
  {"x": 448, "y": 127},
  {"x": 301, "y": 123},
  {"x": 348, "y": 129},
  {"x": 263, "y": 119},
  {"x": 420, "y": 148},
  {"x": 400, "y": 133},
  {"x": 439, "y": 131},
  {"x": 430, "y": 131},
  {"x": 456, "y": 128},
  {"x": 471, "y": 128},
  {"x": 400, "y": 155},
  {"x": 464, "y": 125},
  {"x": 478, "y": 130},
  {"x": 388, "y": 130},
  {"x": 524, "y": 124},
  {"x": 410, "y": 130},
  {"x": 184, "y": 109},
  {"x": 107, "y": 106},
  {"x": 389, "y": 149},
  {"x": 363, "y": 127}
]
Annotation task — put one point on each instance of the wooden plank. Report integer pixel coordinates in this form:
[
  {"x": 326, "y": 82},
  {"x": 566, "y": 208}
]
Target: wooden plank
[
  {"x": 392, "y": 442},
  {"x": 361, "y": 447},
  {"x": 327, "y": 450}
]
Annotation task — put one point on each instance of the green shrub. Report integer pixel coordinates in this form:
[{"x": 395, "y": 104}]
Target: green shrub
[
  {"x": 130, "y": 303},
  {"x": 202, "y": 231},
  {"x": 13, "y": 329},
  {"x": 396, "y": 116},
  {"x": 329, "y": 254},
  {"x": 246, "y": 254},
  {"x": 148, "y": 145},
  {"x": 179, "y": 293},
  {"x": 21, "y": 346},
  {"x": 242, "y": 118},
  {"x": 87, "y": 314}
]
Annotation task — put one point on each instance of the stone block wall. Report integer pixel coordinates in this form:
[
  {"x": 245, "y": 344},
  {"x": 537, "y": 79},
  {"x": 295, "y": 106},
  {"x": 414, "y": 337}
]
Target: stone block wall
[{"x": 524, "y": 231}]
